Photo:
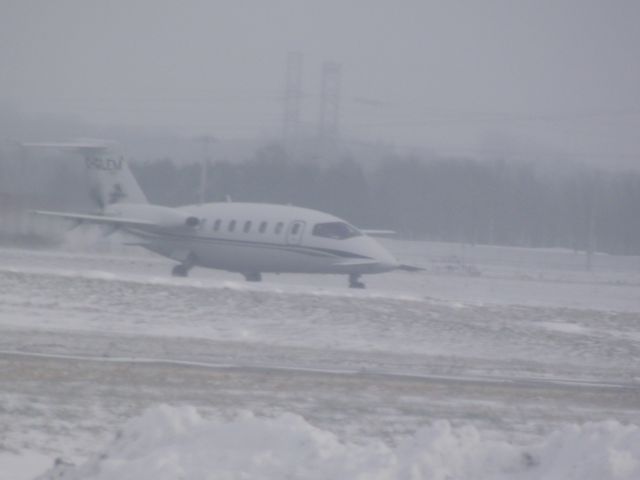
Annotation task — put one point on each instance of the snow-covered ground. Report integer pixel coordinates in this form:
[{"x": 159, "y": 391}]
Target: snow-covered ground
[{"x": 493, "y": 363}]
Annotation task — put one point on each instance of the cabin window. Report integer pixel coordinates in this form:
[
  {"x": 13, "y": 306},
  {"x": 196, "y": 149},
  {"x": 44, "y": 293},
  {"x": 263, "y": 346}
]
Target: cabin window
[
  {"x": 296, "y": 229},
  {"x": 216, "y": 225},
  {"x": 335, "y": 230},
  {"x": 279, "y": 227},
  {"x": 263, "y": 227},
  {"x": 232, "y": 225},
  {"x": 247, "y": 226}
]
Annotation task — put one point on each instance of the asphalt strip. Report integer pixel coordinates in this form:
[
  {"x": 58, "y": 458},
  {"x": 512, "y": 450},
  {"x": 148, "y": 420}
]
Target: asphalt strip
[{"x": 531, "y": 382}]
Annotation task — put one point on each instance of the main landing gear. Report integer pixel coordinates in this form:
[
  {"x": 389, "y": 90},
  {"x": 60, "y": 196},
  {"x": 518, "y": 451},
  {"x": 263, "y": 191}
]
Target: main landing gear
[
  {"x": 354, "y": 281},
  {"x": 253, "y": 277},
  {"x": 182, "y": 269}
]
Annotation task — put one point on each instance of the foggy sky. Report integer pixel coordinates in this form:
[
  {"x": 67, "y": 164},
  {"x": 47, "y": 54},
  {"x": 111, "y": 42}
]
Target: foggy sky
[{"x": 468, "y": 77}]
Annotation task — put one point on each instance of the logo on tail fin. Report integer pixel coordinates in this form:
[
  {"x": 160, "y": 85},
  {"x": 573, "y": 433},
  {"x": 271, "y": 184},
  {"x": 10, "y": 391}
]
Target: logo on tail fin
[
  {"x": 116, "y": 194},
  {"x": 104, "y": 163}
]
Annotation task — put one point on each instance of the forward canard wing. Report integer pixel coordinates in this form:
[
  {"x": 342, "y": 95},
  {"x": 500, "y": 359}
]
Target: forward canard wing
[
  {"x": 410, "y": 268},
  {"x": 378, "y": 232},
  {"x": 358, "y": 262}
]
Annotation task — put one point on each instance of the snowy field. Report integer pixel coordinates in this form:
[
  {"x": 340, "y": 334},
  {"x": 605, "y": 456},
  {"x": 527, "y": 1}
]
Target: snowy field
[{"x": 494, "y": 363}]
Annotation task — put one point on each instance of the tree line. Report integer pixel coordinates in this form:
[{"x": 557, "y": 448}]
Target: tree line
[{"x": 453, "y": 200}]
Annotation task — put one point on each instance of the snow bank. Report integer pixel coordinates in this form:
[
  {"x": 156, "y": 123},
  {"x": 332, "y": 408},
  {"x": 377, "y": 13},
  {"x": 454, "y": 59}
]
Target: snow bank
[
  {"x": 23, "y": 466},
  {"x": 169, "y": 443}
]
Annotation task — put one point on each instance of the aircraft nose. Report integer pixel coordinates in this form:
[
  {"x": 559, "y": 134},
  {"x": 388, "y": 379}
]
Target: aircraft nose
[{"x": 386, "y": 261}]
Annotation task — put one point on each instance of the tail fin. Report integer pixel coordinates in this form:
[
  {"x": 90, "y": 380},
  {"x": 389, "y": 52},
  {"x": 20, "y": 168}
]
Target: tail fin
[{"x": 111, "y": 180}]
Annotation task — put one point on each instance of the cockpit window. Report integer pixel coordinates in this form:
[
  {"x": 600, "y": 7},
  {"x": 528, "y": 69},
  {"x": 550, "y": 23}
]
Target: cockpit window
[{"x": 336, "y": 230}]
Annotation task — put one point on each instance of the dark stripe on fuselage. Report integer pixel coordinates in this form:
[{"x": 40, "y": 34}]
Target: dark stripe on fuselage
[{"x": 314, "y": 251}]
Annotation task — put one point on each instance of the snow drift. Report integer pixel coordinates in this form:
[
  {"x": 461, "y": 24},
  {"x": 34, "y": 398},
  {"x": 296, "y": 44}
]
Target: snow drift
[{"x": 168, "y": 443}]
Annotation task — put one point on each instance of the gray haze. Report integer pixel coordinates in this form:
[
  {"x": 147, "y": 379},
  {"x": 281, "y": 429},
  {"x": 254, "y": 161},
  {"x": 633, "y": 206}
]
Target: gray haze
[{"x": 523, "y": 78}]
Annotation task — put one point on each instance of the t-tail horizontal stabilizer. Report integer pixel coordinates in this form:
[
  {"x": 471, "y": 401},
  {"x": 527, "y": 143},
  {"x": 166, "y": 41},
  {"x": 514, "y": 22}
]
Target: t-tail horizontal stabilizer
[{"x": 111, "y": 180}]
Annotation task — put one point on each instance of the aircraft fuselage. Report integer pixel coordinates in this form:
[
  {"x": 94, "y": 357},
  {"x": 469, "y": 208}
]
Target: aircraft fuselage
[{"x": 255, "y": 238}]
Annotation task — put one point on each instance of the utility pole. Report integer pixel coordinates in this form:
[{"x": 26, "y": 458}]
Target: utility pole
[
  {"x": 592, "y": 203},
  {"x": 329, "y": 125},
  {"x": 206, "y": 141},
  {"x": 292, "y": 100}
]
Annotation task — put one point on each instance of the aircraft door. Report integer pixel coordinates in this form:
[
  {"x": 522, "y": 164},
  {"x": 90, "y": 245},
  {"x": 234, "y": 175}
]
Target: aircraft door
[{"x": 295, "y": 232}]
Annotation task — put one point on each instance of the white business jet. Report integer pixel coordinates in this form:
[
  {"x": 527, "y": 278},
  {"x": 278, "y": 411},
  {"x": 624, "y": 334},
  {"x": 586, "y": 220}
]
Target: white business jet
[{"x": 247, "y": 238}]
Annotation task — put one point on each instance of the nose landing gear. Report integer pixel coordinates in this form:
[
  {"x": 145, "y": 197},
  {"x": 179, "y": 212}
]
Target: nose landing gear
[
  {"x": 253, "y": 277},
  {"x": 354, "y": 281}
]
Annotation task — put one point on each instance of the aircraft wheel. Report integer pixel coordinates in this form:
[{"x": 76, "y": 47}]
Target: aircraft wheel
[
  {"x": 354, "y": 281},
  {"x": 180, "y": 271},
  {"x": 253, "y": 277}
]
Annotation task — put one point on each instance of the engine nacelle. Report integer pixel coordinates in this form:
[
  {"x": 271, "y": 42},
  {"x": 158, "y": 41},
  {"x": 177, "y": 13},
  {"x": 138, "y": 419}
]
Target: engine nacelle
[
  {"x": 166, "y": 217},
  {"x": 192, "y": 222}
]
